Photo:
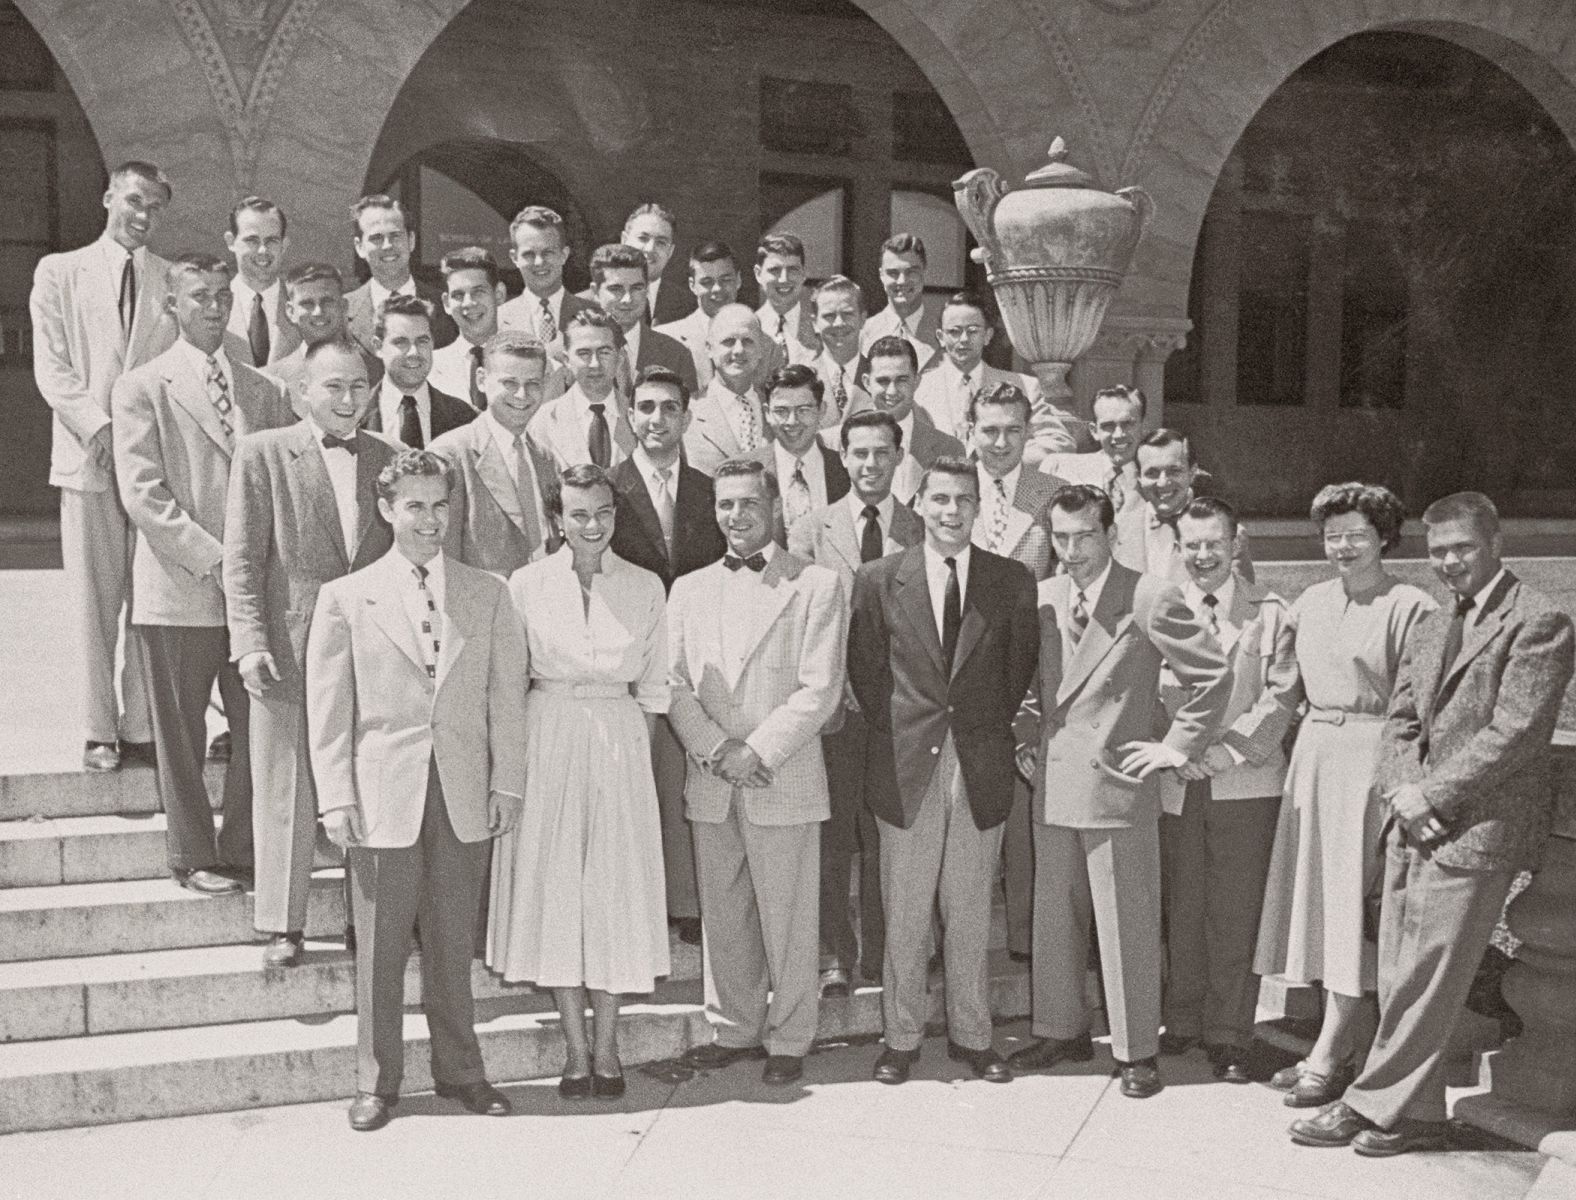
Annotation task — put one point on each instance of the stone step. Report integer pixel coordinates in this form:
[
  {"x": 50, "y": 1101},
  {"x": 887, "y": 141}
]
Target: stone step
[
  {"x": 125, "y": 792},
  {"x": 80, "y": 919}
]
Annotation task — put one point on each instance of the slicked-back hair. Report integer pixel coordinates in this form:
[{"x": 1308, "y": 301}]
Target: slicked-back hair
[
  {"x": 1378, "y": 505},
  {"x": 873, "y": 418},
  {"x": 1001, "y": 393},
  {"x": 375, "y": 200},
  {"x": 135, "y": 168},
  {"x": 257, "y": 204},
  {"x": 1080, "y": 497},
  {"x": 713, "y": 250},
  {"x": 907, "y": 243},
  {"x": 949, "y": 464},
  {"x": 401, "y": 305},
  {"x": 785, "y": 245},
  {"x": 582, "y": 476},
  {"x": 413, "y": 464},
  {"x": 838, "y": 283},
  {"x": 739, "y": 468},
  {"x": 312, "y": 272},
  {"x": 1161, "y": 438},
  {"x": 513, "y": 343},
  {"x": 893, "y": 346},
  {"x": 196, "y": 262},
  {"x": 615, "y": 256},
  {"x": 592, "y": 317},
  {"x": 538, "y": 216},
  {"x": 652, "y": 209},
  {"x": 1204, "y": 508},
  {"x": 1121, "y": 391},
  {"x": 796, "y": 375},
  {"x": 470, "y": 258},
  {"x": 658, "y": 375},
  {"x": 1464, "y": 506}
]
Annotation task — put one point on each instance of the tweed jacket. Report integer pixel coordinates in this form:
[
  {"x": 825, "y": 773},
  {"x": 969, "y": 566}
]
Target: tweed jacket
[
  {"x": 487, "y": 526},
  {"x": 791, "y": 682},
  {"x": 1028, "y": 535},
  {"x": 1477, "y": 740}
]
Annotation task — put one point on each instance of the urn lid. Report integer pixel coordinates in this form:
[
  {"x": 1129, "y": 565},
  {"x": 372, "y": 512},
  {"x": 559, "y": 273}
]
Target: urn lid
[{"x": 1058, "y": 172}]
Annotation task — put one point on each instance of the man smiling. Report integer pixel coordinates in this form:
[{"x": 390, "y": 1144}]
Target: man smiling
[
  {"x": 472, "y": 292},
  {"x": 809, "y": 475},
  {"x": 258, "y": 332}
]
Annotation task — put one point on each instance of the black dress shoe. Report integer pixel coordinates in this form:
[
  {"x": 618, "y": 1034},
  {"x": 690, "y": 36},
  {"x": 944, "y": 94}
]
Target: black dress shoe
[
  {"x": 1313, "y": 1089},
  {"x": 607, "y": 1087},
  {"x": 782, "y": 1068},
  {"x": 1336, "y": 1124},
  {"x": 1172, "y": 1044},
  {"x": 219, "y": 748},
  {"x": 894, "y": 1065},
  {"x": 1229, "y": 1062},
  {"x": 834, "y": 984},
  {"x": 1047, "y": 1052},
  {"x": 369, "y": 1111},
  {"x": 575, "y": 1087},
  {"x": 283, "y": 950},
  {"x": 1407, "y": 1137},
  {"x": 141, "y": 753},
  {"x": 206, "y": 882},
  {"x": 480, "y": 1098},
  {"x": 987, "y": 1064},
  {"x": 712, "y": 1057},
  {"x": 688, "y": 929},
  {"x": 1141, "y": 1079}
]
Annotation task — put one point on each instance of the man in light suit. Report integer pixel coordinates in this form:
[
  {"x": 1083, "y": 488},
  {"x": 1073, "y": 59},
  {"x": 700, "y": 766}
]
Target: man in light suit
[
  {"x": 618, "y": 285},
  {"x": 714, "y": 282},
  {"x": 176, "y": 421},
  {"x": 1168, "y": 479},
  {"x": 667, "y": 523},
  {"x": 865, "y": 525},
  {"x": 503, "y": 483},
  {"x": 472, "y": 292},
  {"x": 650, "y": 230},
  {"x": 259, "y": 332},
  {"x": 315, "y": 305},
  {"x": 839, "y": 309},
  {"x": 98, "y": 311},
  {"x": 941, "y": 649},
  {"x": 540, "y": 250},
  {"x": 756, "y": 642},
  {"x": 406, "y": 409},
  {"x": 1216, "y": 848},
  {"x": 1116, "y": 425},
  {"x": 903, "y": 263},
  {"x": 589, "y": 423},
  {"x": 1105, "y": 632},
  {"x": 302, "y": 509},
  {"x": 416, "y": 681},
  {"x": 784, "y": 313},
  {"x": 809, "y": 474},
  {"x": 728, "y": 420},
  {"x": 382, "y": 240},
  {"x": 1467, "y": 773}
]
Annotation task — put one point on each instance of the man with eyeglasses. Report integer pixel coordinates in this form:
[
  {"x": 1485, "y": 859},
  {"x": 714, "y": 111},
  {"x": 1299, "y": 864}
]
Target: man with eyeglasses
[
  {"x": 810, "y": 475},
  {"x": 1117, "y": 424},
  {"x": 952, "y": 379}
]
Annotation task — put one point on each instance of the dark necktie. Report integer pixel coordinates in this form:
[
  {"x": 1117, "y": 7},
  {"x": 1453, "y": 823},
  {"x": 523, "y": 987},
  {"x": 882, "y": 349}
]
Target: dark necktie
[
  {"x": 257, "y": 333},
  {"x": 1212, "y": 614},
  {"x": 756, "y": 562},
  {"x": 478, "y": 397},
  {"x": 600, "y": 443},
  {"x": 870, "y": 541},
  {"x": 1454, "y": 634},
  {"x": 1079, "y": 623},
  {"x": 128, "y": 295},
  {"x": 409, "y": 423},
  {"x": 330, "y": 442},
  {"x": 951, "y": 613}
]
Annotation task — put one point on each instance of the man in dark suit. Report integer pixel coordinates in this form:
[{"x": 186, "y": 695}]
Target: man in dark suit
[
  {"x": 302, "y": 509},
  {"x": 1466, "y": 771},
  {"x": 383, "y": 241},
  {"x": 618, "y": 285},
  {"x": 667, "y": 524},
  {"x": 650, "y": 230},
  {"x": 941, "y": 648},
  {"x": 406, "y": 408},
  {"x": 259, "y": 332},
  {"x": 865, "y": 525},
  {"x": 810, "y": 475},
  {"x": 539, "y": 253}
]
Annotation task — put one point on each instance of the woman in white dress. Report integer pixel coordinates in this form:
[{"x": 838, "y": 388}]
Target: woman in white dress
[
  {"x": 578, "y": 901},
  {"x": 1351, "y": 631}
]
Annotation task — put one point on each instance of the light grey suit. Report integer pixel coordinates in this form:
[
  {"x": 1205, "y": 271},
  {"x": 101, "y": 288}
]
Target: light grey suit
[
  {"x": 556, "y": 429},
  {"x": 487, "y": 523},
  {"x": 710, "y": 440}
]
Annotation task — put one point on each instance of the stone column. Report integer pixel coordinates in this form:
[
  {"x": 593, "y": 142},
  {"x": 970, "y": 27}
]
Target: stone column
[{"x": 1130, "y": 350}]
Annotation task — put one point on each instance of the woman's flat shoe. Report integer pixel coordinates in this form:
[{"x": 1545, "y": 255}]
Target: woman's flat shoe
[
  {"x": 609, "y": 1087},
  {"x": 575, "y": 1087},
  {"x": 1315, "y": 1090}
]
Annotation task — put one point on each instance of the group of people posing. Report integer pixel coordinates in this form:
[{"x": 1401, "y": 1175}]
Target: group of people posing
[{"x": 571, "y": 630}]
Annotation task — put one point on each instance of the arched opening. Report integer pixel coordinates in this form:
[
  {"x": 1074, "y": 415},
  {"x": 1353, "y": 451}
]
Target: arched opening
[
  {"x": 1384, "y": 287},
  {"x": 51, "y": 177}
]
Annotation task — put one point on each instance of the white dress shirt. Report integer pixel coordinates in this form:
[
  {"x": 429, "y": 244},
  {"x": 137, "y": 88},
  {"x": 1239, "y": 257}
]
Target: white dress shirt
[
  {"x": 453, "y": 368},
  {"x": 814, "y": 465},
  {"x": 415, "y": 604},
  {"x": 115, "y": 256},
  {"x": 738, "y": 600},
  {"x": 1226, "y": 631},
  {"x": 936, "y": 572},
  {"x": 856, "y": 509},
  {"x": 379, "y": 294},
  {"x": 389, "y": 400},
  {"x": 1091, "y": 595},
  {"x": 241, "y": 311},
  {"x": 341, "y": 467},
  {"x": 196, "y": 362}
]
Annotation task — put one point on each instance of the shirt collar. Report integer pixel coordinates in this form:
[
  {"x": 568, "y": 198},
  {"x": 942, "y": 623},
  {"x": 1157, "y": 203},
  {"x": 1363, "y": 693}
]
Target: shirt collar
[
  {"x": 406, "y": 570},
  {"x": 649, "y": 470},
  {"x": 379, "y": 293},
  {"x": 937, "y": 561},
  {"x": 245, "y": 291},
  {"x": 955, "y": 376},
  {"x": 1009, "y": 480},
  {"x": 502, "y": 436},
  {"x": 1224, "y": 595},
  {"x": 394, "y": 395},
  {"x": 1480, "y": 598},
  {"x": 1092, "y": 592},
  {"x": 117, "y": 254},
  {"x": 767, "y": 552},
  {"x": 856, "y": 506},
  {"x": 197, "y": 358}
]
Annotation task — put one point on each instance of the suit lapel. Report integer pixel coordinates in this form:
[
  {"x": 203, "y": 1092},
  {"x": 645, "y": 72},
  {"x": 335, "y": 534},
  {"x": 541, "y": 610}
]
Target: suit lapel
[
  {"x": 1110, "y": 619},
  {"x": 914, "y": 599},
  {"x": 638, "y": 504},
  {"x": 496, "y": 475},
  {"x": 459, "y": 622},
  {"x": 388, "y": 613},
  {"x": 186, "y": 387},
  {"x": 972, "y": 627},
  {"x": 841, "y": 534},
  {"x": 1246, "y": 605},
  {"x": 147, "y": 312},
  {"x": 366, "y": 491},
  {"x": 769, "y": 600},
  {"x": 907, "y": 529},
  {"x": 311, "y": 477},
  {"x": 1480, "y": 634}
]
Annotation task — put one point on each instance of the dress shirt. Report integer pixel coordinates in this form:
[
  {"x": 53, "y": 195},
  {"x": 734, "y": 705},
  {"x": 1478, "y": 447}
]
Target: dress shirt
[
  {"x": 728, "y": 399},
  {"x": 389, "y": 398},
  {"x": 936, "y": 572},
  {"x": 1224, "y": 595},
  {"x": 814, "y": 471},
  {"x": 1480, "y": 598},
  {"x": 115, "y": 256},
  {"x": 196, "y": 362},
  {"x": 856, "y": 509},
  {"x": 738, "y": 600},
  {"x": 887, "y": 323},
  {"x": 415, "y": 604},
  {"x": 1091, "y": 596},
  {"x": 452, "y": 368},
  {"x": 341, "y": 467},
  {"x": 650, "y": 475},
  {"x": 241, "y": 311},
  {"x": 504, "y": 440},
  {"x": 1161, "y": 550},
  {"x": 612, "y": 413},
  {"x": 789, "y": 322},
  {"x": 379, "y": 294},
  {"x": 959, "y": 392},
  {"x": 988, "y": 504}
]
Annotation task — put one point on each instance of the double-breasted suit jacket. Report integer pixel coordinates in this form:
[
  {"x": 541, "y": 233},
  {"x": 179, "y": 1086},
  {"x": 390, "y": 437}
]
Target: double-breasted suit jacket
[{"x": 487, "y": 523}]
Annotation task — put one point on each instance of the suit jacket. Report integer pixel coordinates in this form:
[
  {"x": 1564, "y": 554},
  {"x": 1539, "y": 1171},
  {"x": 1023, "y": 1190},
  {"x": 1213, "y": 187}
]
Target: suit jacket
[
  {"x": 1028, "y": 535},
  {"x": 710, "y": 439},
  {"x": 287, "y": 373},
  {"x": 924, "y": 446},
  {"x": 637, "y": 534},
  {"x": 674, "y": 299},
  {"x": 828, "y": 536},
  {"x": 1477, "y": 740},
  {"x": 659, "y": 350},
  {"x": 286, "y": 338},
  {"x": 1107, "y": 695},
  {"x": 524, "y": 310},
  {"x": 375, "y": 721},
  {"x": 283, "y": 541},
  {"x": 835, "y": 473},
  {"x": 934, "y": 394},
  {"x": 912, "y": 701},
  {"x": 79, "y": 350},
  {"x": 448, "y": 414},
  {"x": 556, "y": 429},
  {"x": 804, "y": 343},
  {"x": 486, "y": 524},
  {"x": 791, "y": 682},
  {"x": 361, "y": 319},
  {"x": 692, "y": 332},
  {"x": 172, "y": 462}
]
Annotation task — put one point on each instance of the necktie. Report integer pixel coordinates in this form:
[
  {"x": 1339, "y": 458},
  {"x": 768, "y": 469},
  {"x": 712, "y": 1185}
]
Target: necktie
[
  {"x": 128, "y": 295},
  {"x": 546, "y": 326},
  {"x": 410, "y": 423},
  {"x": 951, "y": 613},
  {"x": 840, "y": 393},
  {"x": 1212, "y": 614},
  {"x": 998, "y": 516},
  {"x": 626, "y": 374},
  {"x": 429, "y": 624},
  {"x": 599, "y": 443},
  {"x": 749, "y": 432},
  {"x": 478, "y": 397},
  {"x": 1079, "y": 618},
  {"x": 665, "y": 505},
  {"x": 1115, "y": 490},
  {"x": 756, "y": 562},
  {"x": 347, "y": 444},
  {"x": 257, "y": 333},
  {"x": 796, "y": 502},
  {"x": 870, "y": 542},
  {"x": 782, "y": 335},
  {"x": 1454, "y": 634},
  {"x": 525, "y": 491},
  {"x": 965, "y": 399},
  {"x": 219, "y": 394}
]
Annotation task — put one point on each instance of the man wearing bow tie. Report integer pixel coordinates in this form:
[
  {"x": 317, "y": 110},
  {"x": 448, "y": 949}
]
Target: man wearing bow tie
[
  {"x": 1168, "y": 478},
  {"x": 757, "y": 647},
  {"x": 303, "y": 509}
]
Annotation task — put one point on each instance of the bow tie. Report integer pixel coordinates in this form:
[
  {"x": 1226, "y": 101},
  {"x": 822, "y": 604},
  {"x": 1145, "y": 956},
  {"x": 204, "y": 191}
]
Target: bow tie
[
  {"x": 756, "y": 562},
  {"x": 330, "y": 442},
  {"x": 1156, "y": 520}
]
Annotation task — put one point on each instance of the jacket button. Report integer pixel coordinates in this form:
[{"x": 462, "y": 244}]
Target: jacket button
[
  {"x": 1095, "y": 763},
  {"x": 935, "y": 749},
  {"x": 950, "y": 709}
]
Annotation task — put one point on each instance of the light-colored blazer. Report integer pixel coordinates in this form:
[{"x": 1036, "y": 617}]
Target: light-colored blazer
[
  {"x": 556, "y": 429},
  {"x": 283, "y": 541},
  {"x": 933, "y": 394},
  {"x": 791, "y": 682},
  {"x": 375, "y": 721},
  {"x": 172, "y": 462},
  {"x": 1028, "y": 535},
  {"x": 692, "y": 332},
  {"x": 286, "y": 338},
  {"x": 710, "y": 441},
  {"x": 486, "y": 522},
  {"x": 828, "y": 536},
  {"x": 79, "y": 350}
]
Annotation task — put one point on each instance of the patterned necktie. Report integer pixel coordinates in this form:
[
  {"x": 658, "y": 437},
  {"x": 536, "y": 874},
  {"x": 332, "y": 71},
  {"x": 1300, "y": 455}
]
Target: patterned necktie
[
  {"x": 1115, "y": 490},
  {"x": 965, "y": 401},
  {"x": 782, "y": 335},
  {"x": 600, "y": 443},
  {"x": 219, "y": 394},
  {"x": 525, "y": 492},
  {"x": 749, "y": 431},
  {"x": 546, "y": 326},
  {"x": 478, "y": 397},
  {"x": 951, "y": 613},
  {"x": 664, "y": 500},
  {"x": 796, "y": 501},
  {"x": 998, "y": 517},
  {"x": 128, "y": 295},
  {"x": 1079, "y": 618},
  {"x": 1212, "y": 614},
  {"x": 429, "y": 624},
  {"x": 410, "y": 423},
  {"x": 840, "y": 392},
  {"x": 257, "y": 332},
  {"x": 870, "y": 542}
]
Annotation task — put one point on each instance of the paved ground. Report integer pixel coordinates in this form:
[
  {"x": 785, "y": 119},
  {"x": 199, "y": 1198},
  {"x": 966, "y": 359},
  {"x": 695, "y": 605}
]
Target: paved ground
[{"x": 725, "y": 1135}]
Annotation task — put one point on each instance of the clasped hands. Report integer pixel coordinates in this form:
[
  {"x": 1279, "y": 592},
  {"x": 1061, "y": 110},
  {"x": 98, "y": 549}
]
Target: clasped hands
[
  {"x": 1215, "y": 760},
  {"x": 1416, "y": 814},
  {"x": 346, "y": 827},
  {"x": 735, "y": 763}
]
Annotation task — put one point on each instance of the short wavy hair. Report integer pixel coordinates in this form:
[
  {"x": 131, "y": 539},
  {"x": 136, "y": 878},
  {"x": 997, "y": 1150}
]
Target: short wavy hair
[
  {"x": 413, "y": 464},
  {"x": 1378, "y": 505}
]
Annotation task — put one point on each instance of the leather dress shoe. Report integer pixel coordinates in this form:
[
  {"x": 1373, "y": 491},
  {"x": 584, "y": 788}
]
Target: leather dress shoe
[
  {"x": 1172, "y": 1044},
  {"x": 1021, "y": 956},
  {"x": 782, "y": 1068},
  {"x": 1286, "y": 1078},
  {"x": 283, "y": 950},
  {"x": 206, "y": 882},
  {"x": 834, "y": 984},
  {"x": 480, "y": 1098},
  {"x": 1047, "y": 1052},
  {"x": 141, "y": 753},
  {"x": 575, "y": 1087},
  {"x": 1229, "y": 1062},
  {"x": 369, "y": 1111},
  {"x": 1314, "y": 1089},
  {"x": 1141, "y": 1079},
  {"x": 986, "y": 1063},
  {"x": 1335, "y": 1124},
  {"x": 894, "y": 1065},
  {"x": 101, "y": 756},
  {"x": 219, "y": 748},
  {"x": 607, "y": 1087},
  {"x": 1408, "y": 1136},
  {"x": 712, "y": 1057}
]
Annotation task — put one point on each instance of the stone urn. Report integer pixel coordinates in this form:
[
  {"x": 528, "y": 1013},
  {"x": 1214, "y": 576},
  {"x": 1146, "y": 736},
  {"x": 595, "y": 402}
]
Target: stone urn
[{"x": 1055, "y": 251}]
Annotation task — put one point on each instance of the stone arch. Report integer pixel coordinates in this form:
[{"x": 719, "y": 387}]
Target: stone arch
[{"x": 1232, "y": 62}]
